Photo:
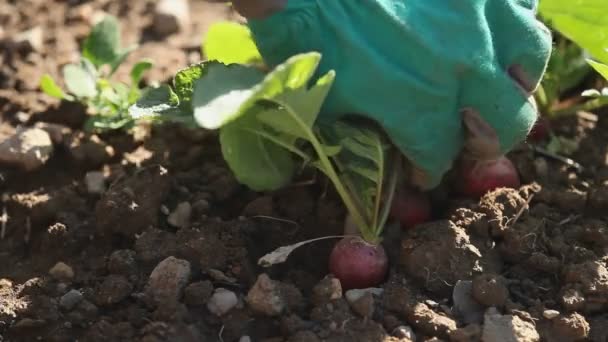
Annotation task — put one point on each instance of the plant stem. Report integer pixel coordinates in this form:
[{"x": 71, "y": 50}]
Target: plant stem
[
  {"x": 329, "y": 170},
  {"x": 586, "y": 106}
]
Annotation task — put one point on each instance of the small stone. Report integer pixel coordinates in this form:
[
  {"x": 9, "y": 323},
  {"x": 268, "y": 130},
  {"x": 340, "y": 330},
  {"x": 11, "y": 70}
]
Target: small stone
[
  {"x": 222, "y": 301},
  {"x": 327, "y": 290},
  {"x": 31, "y": 39},
  {"x": 96, "y": 182},
  {"x": 550, "y": 314},
  {"x": 197, "y": 294},
  {"x": 28, "y": 149},
  {"x": 355, "y": 294},
  {"x": 69, "y": 300},
  {"x": 62, "y": 272},
  {"x": 245, "y": 339},
  {"x": 503, "y": 328},
  {"x": 271, "y": 298},
  {"x": 180, "y": 217},
  {"x": 404, "y": 332},
  {"x": 265, "y": 297},
  {"x": 168, "y": 279},
  {"x": 363, "y": 305},
  {"x": 470, "y": 333},
  {"x": 465, "y": 306},
  {"x": 58, "y": 133},
  {"x": 171, "y": 16}
]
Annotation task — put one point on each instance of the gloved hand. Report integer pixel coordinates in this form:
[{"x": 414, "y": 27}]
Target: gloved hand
[{"x": 441, "y": 77}]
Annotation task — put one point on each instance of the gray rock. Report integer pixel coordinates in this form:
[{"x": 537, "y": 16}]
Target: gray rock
[
  {"x": 96, "y": 182},
  {"x": 180, "y": 217},
  {"x": 465, "y": 306},
  {"x": 404, "y": 332},
  {"x": 550, "y": 314},
  {"x": 69, "y": 300},
  {"x": 222, "y": 302},
  {"x": 168, "y": 279},
  {"x": 28, "y": 149}
]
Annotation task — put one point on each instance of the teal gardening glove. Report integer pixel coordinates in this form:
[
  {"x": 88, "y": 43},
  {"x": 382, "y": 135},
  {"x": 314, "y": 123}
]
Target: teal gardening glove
[{"x": 440, "y": 76}]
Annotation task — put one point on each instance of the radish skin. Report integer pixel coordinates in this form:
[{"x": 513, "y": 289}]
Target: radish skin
[
  {"x": 357, "y": 263},
  {"x": 410, "y": 208},
  {"x": 481, "y": 177}
]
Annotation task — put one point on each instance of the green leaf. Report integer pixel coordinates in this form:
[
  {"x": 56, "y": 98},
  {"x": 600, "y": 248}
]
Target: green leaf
[
  {"x": 184, "y": 80},
  {"x": 48, "y": 86},
  {"x": 102, "y": 45},
  {"x": 601, "y": 68},
  {"x": 155, "y": 101},
  {"x": 138, "y": 70},
  {"x": 255, "y": 161},
  {"x": 584, "y": 22},
  {"x": 306, "y": 102},
  {"x": 79, "y": 81},
  {"x": 230, "y": 42},
  {"x": 227, "y": 91}
]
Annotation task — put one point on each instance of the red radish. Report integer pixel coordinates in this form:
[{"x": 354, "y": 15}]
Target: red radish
[
  {"x": 410, "y": 207},
  {"x": 480, "y": 177},
  {"x": 357, "y": 263},
  {"x": 540, "y": 131}
]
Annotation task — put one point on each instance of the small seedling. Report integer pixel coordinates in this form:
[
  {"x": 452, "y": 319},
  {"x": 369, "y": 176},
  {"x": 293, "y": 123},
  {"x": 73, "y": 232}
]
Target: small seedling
[{"x": 89, "y": 81}]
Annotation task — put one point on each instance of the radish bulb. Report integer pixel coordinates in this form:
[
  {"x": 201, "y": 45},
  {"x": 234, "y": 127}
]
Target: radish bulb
[
  {"x": 357, "y": 263},
  {"x": 541, "y": 130},
  {"x": 410, "y": 208},
  {"x": 481, "y": 177}
]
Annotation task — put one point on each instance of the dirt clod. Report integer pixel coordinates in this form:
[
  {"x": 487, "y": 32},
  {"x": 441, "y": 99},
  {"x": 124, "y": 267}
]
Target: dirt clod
[
  {"x": 168, "y": 279},
  {"x": 114, "y": 289},
  {"x": 62, "y": 271},
  {"x": 123, "y": 262},
  {"x": 430, "y": 322},
  {"x": 570, "y": 328},
  {"x": 429, "y": 254},
  {"x": 470, "y": 333},
  {"x": 490, "y": 290},
  {"x": 197, "y": 294},
  {"x": 132, "y": 203},
  {"x": 507, "y": 328}
]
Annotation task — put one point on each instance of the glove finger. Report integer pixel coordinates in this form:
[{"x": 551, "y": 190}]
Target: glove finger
[
  {"x": 520, "y": 39},
  {"x": 504, "y": 105},
  {"x": 480, "y": 139}
]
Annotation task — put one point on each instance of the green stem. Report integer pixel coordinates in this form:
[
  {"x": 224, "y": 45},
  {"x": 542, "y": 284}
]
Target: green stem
[
  {"x": 587, "y": 107},
  {"x": 329, "y": 170}
]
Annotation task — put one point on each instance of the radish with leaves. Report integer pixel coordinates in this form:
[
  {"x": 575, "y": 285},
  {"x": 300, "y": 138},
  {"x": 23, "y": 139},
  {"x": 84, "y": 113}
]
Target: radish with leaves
[{"x": 268, "y": 130}]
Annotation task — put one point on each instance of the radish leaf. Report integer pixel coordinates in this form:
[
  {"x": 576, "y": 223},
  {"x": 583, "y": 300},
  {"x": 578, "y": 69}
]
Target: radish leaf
[{"x": 230, "y": 42}]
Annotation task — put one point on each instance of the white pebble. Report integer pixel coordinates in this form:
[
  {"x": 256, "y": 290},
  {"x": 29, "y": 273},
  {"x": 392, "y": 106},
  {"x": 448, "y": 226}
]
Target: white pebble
[{"x": 222, "y": 302}]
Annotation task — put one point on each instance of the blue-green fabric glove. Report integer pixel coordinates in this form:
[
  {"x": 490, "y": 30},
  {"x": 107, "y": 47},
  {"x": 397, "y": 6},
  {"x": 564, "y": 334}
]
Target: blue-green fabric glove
[{"x": 414, "y": 65}]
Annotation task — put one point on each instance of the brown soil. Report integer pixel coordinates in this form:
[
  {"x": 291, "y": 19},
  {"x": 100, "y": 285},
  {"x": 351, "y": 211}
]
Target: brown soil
[{"x": 76, "y": 265}]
